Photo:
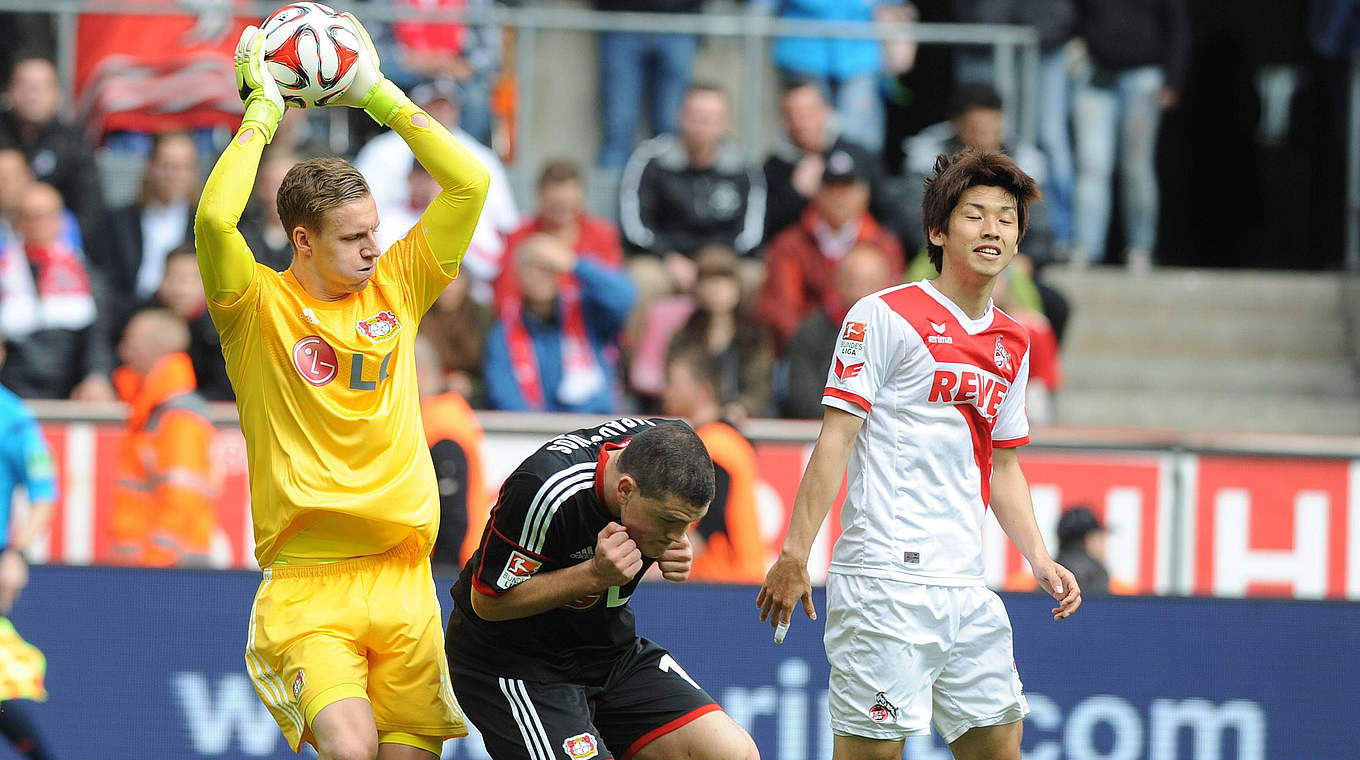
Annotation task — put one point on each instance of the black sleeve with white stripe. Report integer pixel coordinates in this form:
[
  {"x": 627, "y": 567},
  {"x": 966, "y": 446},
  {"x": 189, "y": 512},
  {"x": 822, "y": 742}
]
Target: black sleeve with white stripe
[{"x": 502, "y": 562}]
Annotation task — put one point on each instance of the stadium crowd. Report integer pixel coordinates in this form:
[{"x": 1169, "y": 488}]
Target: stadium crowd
[{"x": 714, "y": 287}]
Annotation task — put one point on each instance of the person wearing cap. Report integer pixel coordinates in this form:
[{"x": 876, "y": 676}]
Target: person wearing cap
[
  {"x": 386, "y": 163},
  {"x": 793, "y": 170},
  {"x": 802, "y": 260},
  {"x": 1081, "y": 549}
]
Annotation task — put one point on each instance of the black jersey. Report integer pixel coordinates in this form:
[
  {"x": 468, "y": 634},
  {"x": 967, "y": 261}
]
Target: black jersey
[{"x": 548, "y": 516}]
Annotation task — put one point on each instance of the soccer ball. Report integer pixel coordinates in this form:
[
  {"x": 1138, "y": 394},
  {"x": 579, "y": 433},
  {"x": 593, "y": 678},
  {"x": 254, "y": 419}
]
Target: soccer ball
[{"x": 311, "y": 52}]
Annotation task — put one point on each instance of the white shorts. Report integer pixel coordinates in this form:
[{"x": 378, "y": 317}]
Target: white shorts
[{"x": 903, "y": 652}]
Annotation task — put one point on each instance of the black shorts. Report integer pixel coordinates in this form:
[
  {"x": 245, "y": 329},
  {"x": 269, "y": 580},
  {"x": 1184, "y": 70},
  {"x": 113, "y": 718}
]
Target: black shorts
[{"x": 646, "y": 696}]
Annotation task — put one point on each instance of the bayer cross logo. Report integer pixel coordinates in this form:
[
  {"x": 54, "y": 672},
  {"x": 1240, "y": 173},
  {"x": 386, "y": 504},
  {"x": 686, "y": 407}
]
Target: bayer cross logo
[{"x": 315, "y": 360}]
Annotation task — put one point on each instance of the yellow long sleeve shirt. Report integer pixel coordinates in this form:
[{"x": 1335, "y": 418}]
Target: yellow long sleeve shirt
[{"x": 326, "y": 390}]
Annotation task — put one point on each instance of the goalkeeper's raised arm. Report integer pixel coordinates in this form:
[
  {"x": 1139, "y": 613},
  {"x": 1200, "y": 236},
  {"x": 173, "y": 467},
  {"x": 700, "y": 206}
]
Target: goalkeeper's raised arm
[
  {"x": 224, "y": 260},
  {"x": 449, "y": 220}
]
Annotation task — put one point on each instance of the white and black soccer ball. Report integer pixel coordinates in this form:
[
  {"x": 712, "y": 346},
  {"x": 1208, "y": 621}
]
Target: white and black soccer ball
[{"x": 312, "y": 52}]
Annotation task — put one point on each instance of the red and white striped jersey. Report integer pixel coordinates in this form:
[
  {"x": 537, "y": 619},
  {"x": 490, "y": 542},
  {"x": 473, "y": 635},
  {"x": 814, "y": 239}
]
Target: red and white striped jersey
[{"x": 937, "y": 391}]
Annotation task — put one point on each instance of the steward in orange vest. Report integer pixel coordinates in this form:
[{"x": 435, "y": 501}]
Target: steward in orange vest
[
  {"x": 455, "y": 439},
  {"x": 164, "y": 506},
  {"x": 728, "y": 547}
]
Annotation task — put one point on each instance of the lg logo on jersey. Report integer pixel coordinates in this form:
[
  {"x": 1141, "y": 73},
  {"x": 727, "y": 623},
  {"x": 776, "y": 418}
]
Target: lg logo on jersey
[
  {"x": 316, "y": 361},
  {"x": 968, "y": 386}
]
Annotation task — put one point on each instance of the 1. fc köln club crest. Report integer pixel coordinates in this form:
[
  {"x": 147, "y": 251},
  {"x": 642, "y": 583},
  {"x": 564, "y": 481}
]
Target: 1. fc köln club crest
[
  {"x": 380, "y": 327},
  {"x": 1002, "y": 357}
]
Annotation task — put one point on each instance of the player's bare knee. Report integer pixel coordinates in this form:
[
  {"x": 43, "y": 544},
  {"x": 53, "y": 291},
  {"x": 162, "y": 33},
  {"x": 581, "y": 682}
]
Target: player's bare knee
[
  {"x": 351, "y": 752},
  {"x": 736, "y": 747},
  {"x": 354, "y": 747}
]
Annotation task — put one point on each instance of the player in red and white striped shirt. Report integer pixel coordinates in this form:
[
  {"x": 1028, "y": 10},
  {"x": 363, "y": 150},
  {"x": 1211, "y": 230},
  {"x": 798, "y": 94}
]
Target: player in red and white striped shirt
[{"x": 925, "y": 403}]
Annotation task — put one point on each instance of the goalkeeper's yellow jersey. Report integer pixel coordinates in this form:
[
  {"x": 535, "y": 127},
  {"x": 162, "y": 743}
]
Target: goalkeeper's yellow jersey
[{"x": 326, "y": 390}]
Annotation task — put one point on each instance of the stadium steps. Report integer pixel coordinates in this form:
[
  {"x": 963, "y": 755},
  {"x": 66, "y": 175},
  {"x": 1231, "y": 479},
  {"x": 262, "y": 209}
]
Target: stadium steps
[{"x": 1205, "y": 350}]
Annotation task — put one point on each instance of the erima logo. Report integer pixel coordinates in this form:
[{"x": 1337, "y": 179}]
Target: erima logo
[{"x": 939, "y": 336}]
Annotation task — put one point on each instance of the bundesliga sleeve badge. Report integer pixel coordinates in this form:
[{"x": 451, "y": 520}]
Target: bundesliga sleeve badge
[{"x": 518, "y": 569}]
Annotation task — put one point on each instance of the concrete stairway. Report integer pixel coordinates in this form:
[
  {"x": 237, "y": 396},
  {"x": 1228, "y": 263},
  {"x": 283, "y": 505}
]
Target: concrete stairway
[{"x": 1206, "y": 350}]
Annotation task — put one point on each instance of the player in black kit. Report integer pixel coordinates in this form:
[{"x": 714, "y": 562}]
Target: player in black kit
[{"x": 542, "y": 651}]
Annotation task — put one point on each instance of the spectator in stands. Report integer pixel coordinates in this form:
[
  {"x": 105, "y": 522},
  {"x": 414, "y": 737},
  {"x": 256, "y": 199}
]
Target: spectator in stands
[
  {"x": 722, "y": 329},
  {"x": 1056, "y": 22},
  {"x": 468, "y": 55},
  {"x": 58, "y": 153},
  {"x": 260, "y": 224},
  {"x": 976, "y": 120},
  {"x": 455, "y": 438},
  {"x": 131, "y": 249},
  {"x": 554, "y": 344},
  {"x": 58, "y": 345},
  {"x": 562, "y": 214},
  {"x": 847, "y": 70},
  {"x": 863, "y": 271},
  {"x": 26, "y": 35},
  {"x": 164, "y": 503},
  {"x": 1081, "y": 549},
  {"x": 397, "y": 220},
  {"x": 15, "y": 177},
  {"x": 386, "y": 164},
  {"x": 683, "y": 191},
  {"x": 457, "y": 327},
  {"x": 641, "y": 72},
  {"x": 1137, "y": 57},
  {"x": 728, "y": 546},
  {"x": 801, "y": 259},
  {"x": 793, "y": 171},
  {"x": 27, "y": 463},
  {"x": 181, "y": 291}
]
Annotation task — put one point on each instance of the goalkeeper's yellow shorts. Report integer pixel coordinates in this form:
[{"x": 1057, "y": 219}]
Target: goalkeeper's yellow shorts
[
  {"x": 22, "y": 666},
  {"x": 369, "y": 628}
]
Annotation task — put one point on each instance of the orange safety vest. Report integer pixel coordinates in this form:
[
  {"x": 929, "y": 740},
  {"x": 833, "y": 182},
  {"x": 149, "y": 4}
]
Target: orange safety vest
[
  {"x": 736, "y": 553},
  {"x": 448, "y": 417},
  {"x": 164, "y": 503}
]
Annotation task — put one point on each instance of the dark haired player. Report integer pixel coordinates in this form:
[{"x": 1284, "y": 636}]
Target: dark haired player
[
  {"x": 542, "y": 650},
  {"x": 925, "y": 402}
]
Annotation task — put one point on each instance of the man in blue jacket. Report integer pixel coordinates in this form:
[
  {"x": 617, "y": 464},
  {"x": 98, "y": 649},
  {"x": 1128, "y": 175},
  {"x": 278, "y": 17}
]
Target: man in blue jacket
[
  {"x": 848, "y": 70},
  {"x": 553, "y": 345}
]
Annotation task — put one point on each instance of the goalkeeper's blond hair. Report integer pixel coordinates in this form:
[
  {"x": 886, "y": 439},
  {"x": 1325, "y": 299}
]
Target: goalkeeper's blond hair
[{"x": 315, "y": 186}]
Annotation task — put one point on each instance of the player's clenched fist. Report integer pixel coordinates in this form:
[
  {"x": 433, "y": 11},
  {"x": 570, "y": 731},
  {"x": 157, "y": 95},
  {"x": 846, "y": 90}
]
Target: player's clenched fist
[
  {"x": 676, "y": 561},
  {"x": 617, "y": 557}
]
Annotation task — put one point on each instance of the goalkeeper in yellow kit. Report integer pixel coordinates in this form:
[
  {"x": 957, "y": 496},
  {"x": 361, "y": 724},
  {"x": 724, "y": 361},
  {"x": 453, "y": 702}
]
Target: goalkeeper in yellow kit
[{"x": 345, "y": 645}]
